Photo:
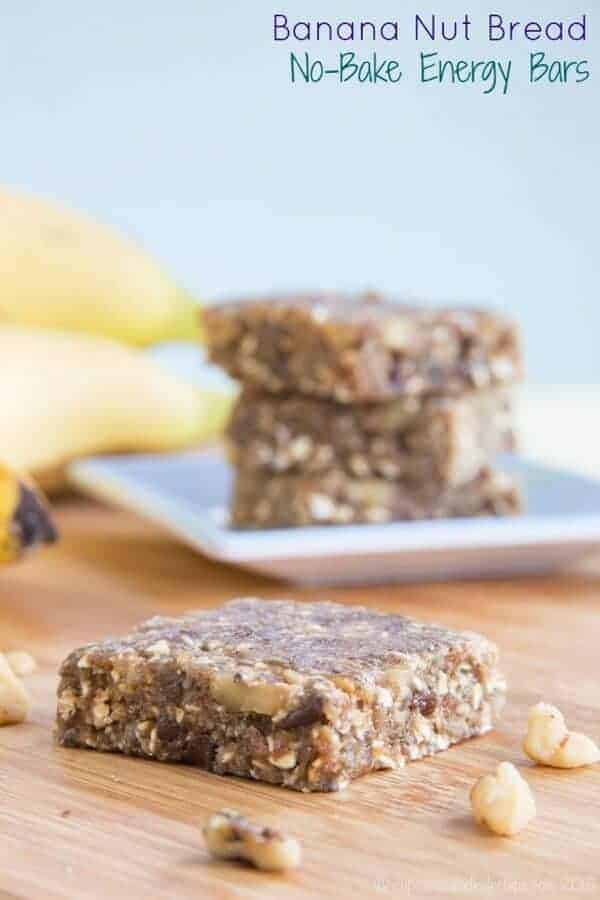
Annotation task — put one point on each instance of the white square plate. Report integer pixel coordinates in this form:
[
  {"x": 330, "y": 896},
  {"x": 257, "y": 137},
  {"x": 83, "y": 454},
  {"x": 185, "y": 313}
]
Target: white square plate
[{"x": 188, "y": 494}]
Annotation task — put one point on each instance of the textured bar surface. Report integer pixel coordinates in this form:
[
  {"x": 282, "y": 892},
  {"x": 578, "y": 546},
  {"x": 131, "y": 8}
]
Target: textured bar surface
[
  {"x": 447, "y": 439},
  {"x": 361, "y": 348},
  {"x": 306, "y": 695},
  {"x": 335, "y": 498}
]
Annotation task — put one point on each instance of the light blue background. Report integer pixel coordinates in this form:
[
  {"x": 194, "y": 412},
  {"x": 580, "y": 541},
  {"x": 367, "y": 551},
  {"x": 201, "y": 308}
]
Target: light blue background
[{"x": 177, "y": 122}]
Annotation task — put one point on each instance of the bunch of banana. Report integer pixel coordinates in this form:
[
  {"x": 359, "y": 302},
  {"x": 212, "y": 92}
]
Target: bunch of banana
[
  {"x": 64, "y": 396},
  {"x": 60, "y": 269},
  {"x": 73, "y": 295},
  {"x": 24, "y": 517}
]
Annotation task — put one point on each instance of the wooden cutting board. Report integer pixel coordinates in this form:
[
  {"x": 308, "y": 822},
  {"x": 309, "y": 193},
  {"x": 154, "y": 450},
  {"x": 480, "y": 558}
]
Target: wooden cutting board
[{"x": 76, "y": 824}]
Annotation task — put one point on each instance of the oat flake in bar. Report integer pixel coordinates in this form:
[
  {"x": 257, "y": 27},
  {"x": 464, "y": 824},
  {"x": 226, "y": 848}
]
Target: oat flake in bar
[
  {"x": 305, "y": 695},
  {"x": 417, "y": 439},
  {"x": 361, "y": 348}
]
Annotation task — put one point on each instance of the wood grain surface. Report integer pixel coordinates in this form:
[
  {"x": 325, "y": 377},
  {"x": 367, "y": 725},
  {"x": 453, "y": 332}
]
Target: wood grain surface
[{"x": 77, "y": 824}]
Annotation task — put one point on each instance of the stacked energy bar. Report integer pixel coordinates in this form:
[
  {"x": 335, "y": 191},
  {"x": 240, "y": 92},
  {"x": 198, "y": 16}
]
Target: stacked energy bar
[{"x": 358, "y": 409}]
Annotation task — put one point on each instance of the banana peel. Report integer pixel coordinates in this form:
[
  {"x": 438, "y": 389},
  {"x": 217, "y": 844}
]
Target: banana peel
[
  {"x": 65, "y": 396},
  {"x": 25, "y": 520},
  {"x": 60, "y": 269}
]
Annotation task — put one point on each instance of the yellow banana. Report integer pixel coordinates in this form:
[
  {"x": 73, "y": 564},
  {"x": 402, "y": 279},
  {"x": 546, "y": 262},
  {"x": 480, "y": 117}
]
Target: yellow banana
[
  {"x": 60, "y": 269},
  {"x": 64, "y": 396},
  {"x": 24, "y": 517}
]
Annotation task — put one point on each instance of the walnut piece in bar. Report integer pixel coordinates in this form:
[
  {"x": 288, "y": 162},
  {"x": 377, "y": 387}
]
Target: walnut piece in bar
[
  {"x": 361, "y": 348},
  {"x": 334, "y": 498},
  {"x": 304, "y": 695},
  {"x": 441, "y": 438}
]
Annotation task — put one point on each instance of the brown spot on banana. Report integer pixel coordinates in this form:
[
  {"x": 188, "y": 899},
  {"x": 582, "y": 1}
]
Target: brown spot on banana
[{"x": 25, "y": 519}]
